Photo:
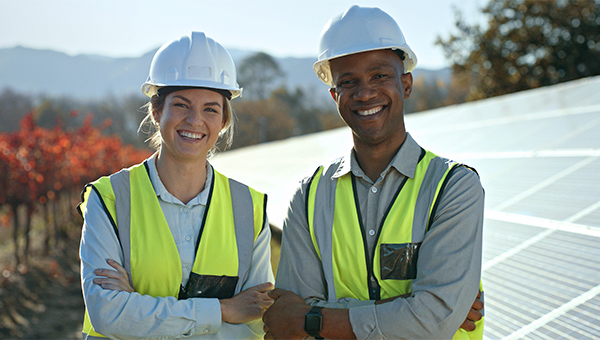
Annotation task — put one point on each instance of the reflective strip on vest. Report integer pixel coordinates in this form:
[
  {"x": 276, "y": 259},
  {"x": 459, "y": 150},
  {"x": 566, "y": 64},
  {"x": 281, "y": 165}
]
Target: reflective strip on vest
[
  {"x": 233, "y": 219},
  {"x": 340, "y": 244}
]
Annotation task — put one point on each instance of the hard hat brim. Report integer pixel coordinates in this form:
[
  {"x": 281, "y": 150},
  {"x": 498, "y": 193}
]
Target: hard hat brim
[{"x": 323, "y": 70}]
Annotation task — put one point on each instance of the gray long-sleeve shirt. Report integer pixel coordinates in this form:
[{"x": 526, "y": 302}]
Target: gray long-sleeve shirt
[{"x": 449, "y": 262}]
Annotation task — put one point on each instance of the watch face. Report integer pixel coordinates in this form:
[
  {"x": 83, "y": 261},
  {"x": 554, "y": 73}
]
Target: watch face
[{"x": 312, "y": 324}]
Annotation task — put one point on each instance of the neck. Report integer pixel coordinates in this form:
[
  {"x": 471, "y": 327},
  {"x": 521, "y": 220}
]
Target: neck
[
  {"x": 182, "y": 180},
  {"x": 375, "y": 158}
]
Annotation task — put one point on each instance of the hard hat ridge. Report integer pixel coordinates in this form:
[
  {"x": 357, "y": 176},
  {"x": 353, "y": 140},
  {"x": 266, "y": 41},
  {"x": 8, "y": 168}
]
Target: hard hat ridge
[
  {"x": 360, "y": 29},
  {"x": 193, "y": 60}
]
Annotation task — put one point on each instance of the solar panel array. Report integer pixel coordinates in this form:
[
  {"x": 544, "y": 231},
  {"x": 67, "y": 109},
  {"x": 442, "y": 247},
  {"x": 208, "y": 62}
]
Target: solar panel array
[{"x": 538, "y": 155}]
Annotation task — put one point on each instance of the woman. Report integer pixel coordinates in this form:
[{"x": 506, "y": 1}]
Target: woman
[{"x": 171, "y": 247}]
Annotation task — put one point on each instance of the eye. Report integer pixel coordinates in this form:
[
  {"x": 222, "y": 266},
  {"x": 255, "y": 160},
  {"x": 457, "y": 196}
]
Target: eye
[
  {"x": 380, "y": 76},
  {"x": 182, "y": 105},
  {"x": 346, "y": 83},
  {"x": 212, "y": 109}
]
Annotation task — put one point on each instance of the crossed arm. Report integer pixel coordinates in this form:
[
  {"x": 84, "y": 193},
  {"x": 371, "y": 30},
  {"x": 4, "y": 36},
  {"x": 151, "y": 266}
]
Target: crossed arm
[
  {"x": 245, "y": 306},
  {"x": 285, "y": 318},
  {"x": 111, "y": 311},
  {"x": 441, "y": 300}
]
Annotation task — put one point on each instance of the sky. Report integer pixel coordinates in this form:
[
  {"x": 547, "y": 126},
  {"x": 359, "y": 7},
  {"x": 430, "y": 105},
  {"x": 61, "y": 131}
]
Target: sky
[{"x": 284, "y": 28}]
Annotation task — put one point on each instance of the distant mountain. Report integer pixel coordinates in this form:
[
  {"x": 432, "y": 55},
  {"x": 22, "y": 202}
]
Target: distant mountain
[{"x": 51, "y": 73}]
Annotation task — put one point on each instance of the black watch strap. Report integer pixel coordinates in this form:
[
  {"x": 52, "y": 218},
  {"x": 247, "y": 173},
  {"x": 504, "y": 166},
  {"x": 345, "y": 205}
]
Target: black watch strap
[{"x": 313, "y": 322}]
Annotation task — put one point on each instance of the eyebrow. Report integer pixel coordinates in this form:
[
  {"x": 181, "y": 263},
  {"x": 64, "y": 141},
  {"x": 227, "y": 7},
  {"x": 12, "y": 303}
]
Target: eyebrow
[
  {"x": 372, "y": 69},
  {"x": 182, "y": 98},
  {"x": 213, "y": 104}
]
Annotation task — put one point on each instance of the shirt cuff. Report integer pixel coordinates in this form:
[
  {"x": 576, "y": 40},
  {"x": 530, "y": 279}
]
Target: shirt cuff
[
  {"x": 364, "y": 322},
  {"x": 208, "y": 316}
]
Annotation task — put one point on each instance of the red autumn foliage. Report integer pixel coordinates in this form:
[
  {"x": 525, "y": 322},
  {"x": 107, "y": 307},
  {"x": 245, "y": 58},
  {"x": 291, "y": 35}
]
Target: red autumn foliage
[
  {"x": 37, "y": 165},
  {"x": 36, "y": 162}
]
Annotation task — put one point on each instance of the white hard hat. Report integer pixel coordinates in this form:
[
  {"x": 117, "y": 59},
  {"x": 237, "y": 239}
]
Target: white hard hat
[
  {"x": 192, "y": 60},
  {"x": 360, "y": 29}
]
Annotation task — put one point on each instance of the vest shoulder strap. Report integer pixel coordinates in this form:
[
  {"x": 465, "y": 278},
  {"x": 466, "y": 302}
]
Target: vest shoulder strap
[{"x": 440, "y": 190}]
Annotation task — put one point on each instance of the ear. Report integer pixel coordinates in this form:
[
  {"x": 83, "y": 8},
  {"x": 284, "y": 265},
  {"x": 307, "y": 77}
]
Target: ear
[
  {"x": 407, "y": 81},
  {"x": 333, "y": 94},
  {"x": 156, "y": 116}
]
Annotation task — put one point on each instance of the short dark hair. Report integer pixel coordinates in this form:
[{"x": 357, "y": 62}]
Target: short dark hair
[{"x": 400, "y": 53}]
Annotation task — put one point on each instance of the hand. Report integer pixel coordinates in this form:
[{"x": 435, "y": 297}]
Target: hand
[
  {"x": 285, "y": 318},
  {"x": 113, "y": 280},
  {"x": 247, "y": 305},
  {"x": 474, "y": 315}
]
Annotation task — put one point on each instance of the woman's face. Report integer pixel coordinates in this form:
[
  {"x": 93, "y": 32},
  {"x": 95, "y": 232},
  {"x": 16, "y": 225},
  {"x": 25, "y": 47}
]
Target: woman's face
[{"x": 189, "y": 123}]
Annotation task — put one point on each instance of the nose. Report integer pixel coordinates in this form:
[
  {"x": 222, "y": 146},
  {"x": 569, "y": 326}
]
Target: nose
[
  {"x": 364, "y": 92},
  {"x": 195, "y": 117}
]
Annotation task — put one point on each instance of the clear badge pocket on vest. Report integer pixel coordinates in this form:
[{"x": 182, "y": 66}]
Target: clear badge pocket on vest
[
  {"x": 399, "y": 261},
  {"x": 209, "y": 286}
]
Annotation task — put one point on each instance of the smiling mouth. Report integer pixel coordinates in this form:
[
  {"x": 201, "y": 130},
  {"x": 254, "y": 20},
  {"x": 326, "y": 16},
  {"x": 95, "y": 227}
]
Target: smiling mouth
[
  {"x": 191, "y": 135},
  {"x": 369, "y": 112}
]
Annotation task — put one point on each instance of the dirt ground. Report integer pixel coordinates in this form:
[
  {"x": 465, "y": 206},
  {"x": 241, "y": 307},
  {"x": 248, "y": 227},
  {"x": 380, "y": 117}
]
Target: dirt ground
[{"x": 43, "y": 299}]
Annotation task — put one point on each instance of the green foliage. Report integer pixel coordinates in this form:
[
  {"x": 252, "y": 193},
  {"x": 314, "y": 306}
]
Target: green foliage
[{"x": 527, "y": 44}]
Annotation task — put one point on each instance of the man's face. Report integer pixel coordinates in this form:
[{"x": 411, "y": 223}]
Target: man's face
[{"x": 369, "y": 90}]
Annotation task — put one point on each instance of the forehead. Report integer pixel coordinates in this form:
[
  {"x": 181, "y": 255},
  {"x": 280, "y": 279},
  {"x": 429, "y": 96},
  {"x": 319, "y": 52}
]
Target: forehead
[
  {"x": 199, "y": 94},
  {"x": 365, "y": 61}
]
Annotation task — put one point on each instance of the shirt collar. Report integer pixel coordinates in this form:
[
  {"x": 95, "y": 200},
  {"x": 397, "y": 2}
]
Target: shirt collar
[
  {"x": 405, "y": 161},
  {"x": 165, "y": 195}
]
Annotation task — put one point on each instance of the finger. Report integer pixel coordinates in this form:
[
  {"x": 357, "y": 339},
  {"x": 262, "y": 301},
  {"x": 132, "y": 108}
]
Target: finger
[
  {"x": 474, "y": 315},
  {"x": 276, "y": 293},
  {"x": 264, "y": 287},
  {"x": 107, "y": 272},
  {"x": 468, "y": 326},
  {"x": 264, "y": 296},
  {"x": 265, "y": 304},
  {"x": 107, "y": 284},
  {"x": 478, "y": 305},
  {"x": 478, "y": 294},
  {"x": 117, "y": 266}
]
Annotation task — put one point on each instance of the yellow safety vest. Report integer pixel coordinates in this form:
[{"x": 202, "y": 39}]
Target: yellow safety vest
[
  {"x": 394, "y": 261},
  {"x": 234, "y": 216}
]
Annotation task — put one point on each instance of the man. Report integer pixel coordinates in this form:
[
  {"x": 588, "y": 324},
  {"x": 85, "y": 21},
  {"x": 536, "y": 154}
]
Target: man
[{"x": 385, "y": 242}]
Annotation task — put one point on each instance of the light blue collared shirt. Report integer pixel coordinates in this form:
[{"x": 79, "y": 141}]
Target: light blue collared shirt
[{"x": 123, "y": 315}]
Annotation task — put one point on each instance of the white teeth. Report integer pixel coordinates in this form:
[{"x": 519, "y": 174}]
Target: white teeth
[
  {"x": 370, "y": 112},
  {"x": 190, "y": 135}
]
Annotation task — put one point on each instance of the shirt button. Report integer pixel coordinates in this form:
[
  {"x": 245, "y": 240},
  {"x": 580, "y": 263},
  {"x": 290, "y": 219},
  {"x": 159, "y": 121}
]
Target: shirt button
[
  {"x": 205, "y": 331},
  {"x": 185, "y": 209},
  {"x": 188, "y": 238},
  {"x": 374, "y": 190},
  {"x": 188, "y": 268},
  {"x": 371, "y": 232}
]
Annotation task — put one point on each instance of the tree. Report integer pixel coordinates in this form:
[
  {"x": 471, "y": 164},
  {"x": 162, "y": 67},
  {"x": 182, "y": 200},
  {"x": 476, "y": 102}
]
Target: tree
[
  {"x": 37, "y": 165},
  {"x": 528, "y": 44},
  {"x": 259, "y": 75},
  {"x": 13, "y": 107},
  {"x": 306, "y": 120}
]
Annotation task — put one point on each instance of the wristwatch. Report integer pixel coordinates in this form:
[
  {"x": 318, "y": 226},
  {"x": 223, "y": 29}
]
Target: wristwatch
[{"x": 313, "y": 322}]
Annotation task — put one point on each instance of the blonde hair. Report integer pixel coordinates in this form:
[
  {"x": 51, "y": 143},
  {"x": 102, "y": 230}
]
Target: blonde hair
[{"x": 150, "y": 127}]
